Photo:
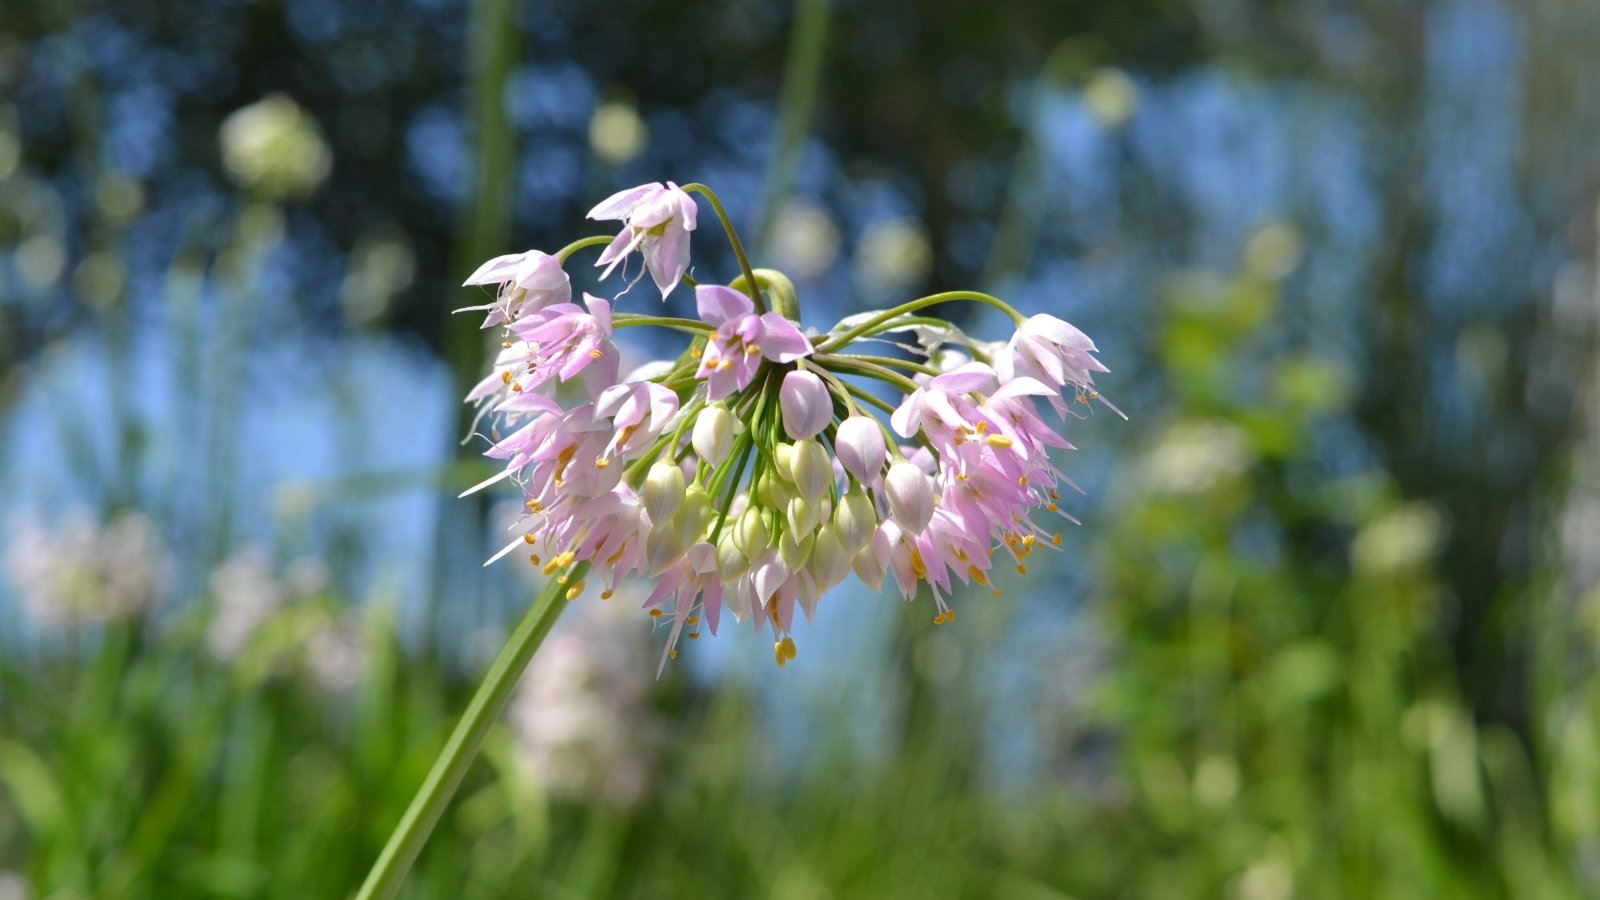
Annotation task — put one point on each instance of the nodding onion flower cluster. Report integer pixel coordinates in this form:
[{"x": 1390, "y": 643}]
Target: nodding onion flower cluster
[{"x": 752, "y": 473}]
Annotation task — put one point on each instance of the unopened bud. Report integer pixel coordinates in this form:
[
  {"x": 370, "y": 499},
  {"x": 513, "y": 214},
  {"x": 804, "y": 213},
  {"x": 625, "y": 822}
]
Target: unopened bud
[
  {"x": 911, "y": 496},
  {"x": 694, "y": 515},
  {"x": 855, "y": 519},
  {"x": 712, "y": 437},
  {"x": 807, "y": 406},
  {"x": 782, "y": 460},
  {"x": 811, "y": 469},
  {"x": 830, "y": 561},
  {"x": 751, "y": 534},
  {"x": 663, "y": 492},
  {"x": 802, "y": 516},
  {"x": 862, "y": 449},
  {"x": 794, "y": 552}
]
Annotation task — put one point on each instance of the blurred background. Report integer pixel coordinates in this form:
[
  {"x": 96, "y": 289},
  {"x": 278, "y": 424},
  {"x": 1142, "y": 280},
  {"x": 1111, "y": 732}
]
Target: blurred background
[{"x": 1329, "y": 628}]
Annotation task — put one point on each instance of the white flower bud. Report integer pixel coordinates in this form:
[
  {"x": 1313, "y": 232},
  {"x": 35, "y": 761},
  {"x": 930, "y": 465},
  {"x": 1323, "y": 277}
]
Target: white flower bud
[
  {"x": 802, "y": 516},
  {"x": 712, "y": 437},
  {"x": 911, "y": 497},
  {"x": 855, "y": 520},
  {"x": 830, "y": 561},
  {"x": 751, "y": 534},
  {"x": 662, "y": 548},
  {"x": 872, "y": 563},
  {"x": 694, "y": 516},
  {"x": 794, "y": 551},
  {"x": 812, "y": 469},
  {"x": 782, "y": 459},
  {"x": 731, "y": 561},
  {"x": 663, "y": 492}
]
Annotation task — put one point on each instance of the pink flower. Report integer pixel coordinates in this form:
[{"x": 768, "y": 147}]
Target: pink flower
[
  {"x": 807, "y": 405},
  {"x": 1052, "y": 351},
  {"x": 742, "y": 339},
  {"x": 657, "y": 220},
  {"x": 529, "y": 282},
  {"x": 567, "y": 340}
]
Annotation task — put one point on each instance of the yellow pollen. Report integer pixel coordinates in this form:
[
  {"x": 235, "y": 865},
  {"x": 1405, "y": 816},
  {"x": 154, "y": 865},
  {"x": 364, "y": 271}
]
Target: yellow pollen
[
  {"x": 596, "y": 353},
  {"x": 1056, "y": 539},
  {"x": 529, "y": 538},
  {"x": 1022, "y": 569},
  {"x": 777, "y": 653},
  {"x": 1022, "y": 480},
  {"x": 551, "y": 566},
  {"x": 918, "y": 567},
  {"x": 787, "y": 647},
  {"x": 505, "y": 345},
  {"x": 949, "y": 615},
  {"x": 692, "y": 620},
  {"x": 516, "y": 389},
  {"x": 997, "y": 592},
  {"x": 724, "y": 365},
  {"x": 694, "y": 635},
  {"x": 998, "y": 441},
  {"x": 602, "y": 463},
  {"x": 607, "y": 594},
  {"x": 1055, "y": 495},
  {"x": 505, "y": 377},
  {"x": 1051, "y": 507},
  {"x": 977, "y": 575},
  {"x": 1029, "y": 540},
  {"x": 672, "y": 654},
  {"x": 694, "y": 353},
  {"x": 655, "y": 613},
  {"x": 562, "y": 578},
  {"x": 752, "y": 349},
  {"x": 536, "y": 506},
  {"x": 575, "y": 590}
]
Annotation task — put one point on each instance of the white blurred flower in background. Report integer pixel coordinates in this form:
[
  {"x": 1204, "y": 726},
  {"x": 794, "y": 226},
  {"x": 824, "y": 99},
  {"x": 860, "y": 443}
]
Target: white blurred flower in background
[
  {"x": 894, "y": 254},
  {"x": 582, "y": 715},
  {"x": 247, "y": 594},
  {"x": 616, "y": 133},
  {"x": 84, "y": 571},
  {"x": 274, "y": 147},
  {"x": 805, "y": 240}
]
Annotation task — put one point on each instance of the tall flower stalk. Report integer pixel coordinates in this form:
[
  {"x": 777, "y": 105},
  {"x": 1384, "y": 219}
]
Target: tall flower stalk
[{"x": 757, "y": 469}]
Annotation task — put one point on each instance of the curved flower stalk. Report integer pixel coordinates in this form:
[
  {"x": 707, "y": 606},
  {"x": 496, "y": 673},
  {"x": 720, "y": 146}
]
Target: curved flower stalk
[{"x": 755, "y": 471}]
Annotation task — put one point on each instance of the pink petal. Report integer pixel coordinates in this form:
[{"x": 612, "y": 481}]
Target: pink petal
[
  {"x": 781, "y": 340},
  {"x": 719, "y": 304},
  {"x": 619, "y": 204},
  {"x": 807, "y": 407}
]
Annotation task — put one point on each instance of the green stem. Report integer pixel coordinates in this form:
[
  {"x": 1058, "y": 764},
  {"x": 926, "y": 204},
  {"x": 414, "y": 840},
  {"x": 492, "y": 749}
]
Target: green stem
[
  {"x": 801, "y": 77},
  {"x": 383, "y": 882},
  {"x": 844, "y": 338},
  {"x": 629, "y": 320},
  {"x": 575, "y": 246},
  {"x": 857, "y": 366},
  {"x": 733, "y": 240},
  {"x": 895, "y": 361}
]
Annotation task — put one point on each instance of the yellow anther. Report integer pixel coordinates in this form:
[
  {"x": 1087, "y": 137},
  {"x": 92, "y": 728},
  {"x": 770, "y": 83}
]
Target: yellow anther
[
  {"x": 998, "y": 441},
  {"x": 562, "y": 578},
  {"x": 655, "y": 613},
  {"x": 607, "y": 594},
  {"x": 505, "y": 345},
  {"x": 997, "y": 592},
  {"x": 533, "y": 558},
  {"x": 939, "y": 619},
  {"x": 1028, "y": 540},
  {"x": 918, "y": 567},
  {"x": 724, "y": 365},
  {"x": 1051, "y": 507},
  {"x": 596, "y": 353},
  {"x": 977, "y": 575},
  {"x": 949, "y": 615},
  {"x": 529, "y": 537},
  {"x": 787, "y": 647},
  {"x": 694, "y": 353},
  {"x": 505, "y": 377},
  {"x": 516, "y": 389},
  {"x": 983, "y": 426},
  {"x": 692, "y": 620},
  {"x": 694, "y": 635},
  {"x": 575, "y": 590},
  {"x": 1057, "y": 539},
  {"x": 1022, "y": 569},
  {"x": 1022, "y": 480},
  {"x": 1055, "y": 495},
  {"x": 672, "y": 654},
  {"x": 752, "y": 349},
  {"x": 602, "y": 463},
  {"x": 777, "y": 653},
  {"x": 551, "y": 566}
]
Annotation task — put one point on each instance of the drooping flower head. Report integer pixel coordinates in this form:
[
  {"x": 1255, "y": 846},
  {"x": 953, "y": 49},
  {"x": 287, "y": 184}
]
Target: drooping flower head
[
  {"x": 656, "y": 221},
  {"x": 752, "y": 473}
]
